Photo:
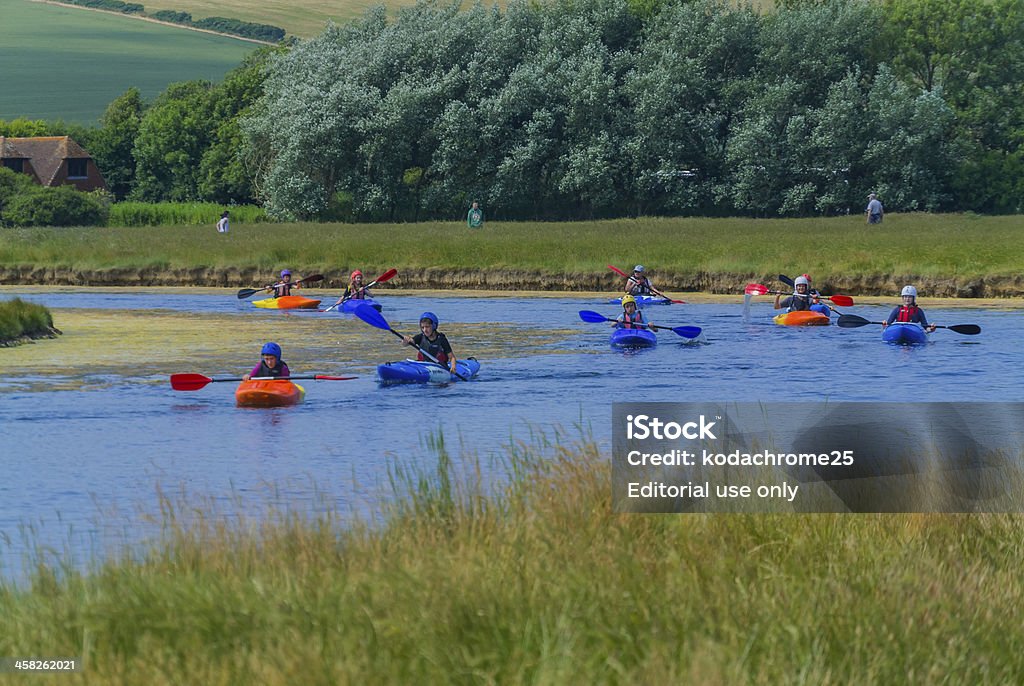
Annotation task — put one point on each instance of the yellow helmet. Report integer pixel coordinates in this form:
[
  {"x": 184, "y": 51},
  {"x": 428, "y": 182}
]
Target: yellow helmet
[{"x": 626, "y": 299}]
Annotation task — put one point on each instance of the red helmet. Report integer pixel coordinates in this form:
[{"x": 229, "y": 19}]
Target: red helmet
[
  {"x": 355, "y": 274},
  {"x": 808, "y": 277}
]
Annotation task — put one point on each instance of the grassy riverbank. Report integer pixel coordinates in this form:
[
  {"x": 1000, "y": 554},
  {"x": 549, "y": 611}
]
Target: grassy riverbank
[
  {"x": 22, "y": 320},
  {"x": 946, "y": 255},
  {"x": 540, "y": 584}
]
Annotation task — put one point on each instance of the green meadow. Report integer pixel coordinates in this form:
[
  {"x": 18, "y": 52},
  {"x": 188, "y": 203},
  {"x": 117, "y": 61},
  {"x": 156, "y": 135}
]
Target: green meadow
[{"x": 70, "y": 63}]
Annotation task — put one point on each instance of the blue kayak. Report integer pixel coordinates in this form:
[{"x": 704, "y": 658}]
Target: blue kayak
[
  {"x": 350, "y": 306},
  {"x": 904, "y": 333},
  {"x": 821, "y": 309},
  {"x": 644, "y": 301},
  {"x": 412, "y": 371},
  {"x": 634, "y": 338}
]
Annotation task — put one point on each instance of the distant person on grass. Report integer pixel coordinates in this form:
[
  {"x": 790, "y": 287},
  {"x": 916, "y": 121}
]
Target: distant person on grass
[
  {"x": 475, "y": 218},
  {"x": 874, "y": 210},
  {"x": 223, "y": 224}
]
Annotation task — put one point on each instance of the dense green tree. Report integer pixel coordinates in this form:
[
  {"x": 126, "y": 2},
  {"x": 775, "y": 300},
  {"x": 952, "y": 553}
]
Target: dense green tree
[
  {"x": 60, "y": 206},
  {"x": 113, "y": 144}
]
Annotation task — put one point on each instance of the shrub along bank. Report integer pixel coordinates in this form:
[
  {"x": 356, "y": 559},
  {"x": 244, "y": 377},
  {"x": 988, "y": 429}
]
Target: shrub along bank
[{"x": 20, "y": 320}]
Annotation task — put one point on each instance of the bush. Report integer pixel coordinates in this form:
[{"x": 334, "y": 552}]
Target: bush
[
  {"x": 180, "y": 213},
  {"x": 19, "y": 318},
  {"x": 173, "y": 17},
  {"x": 11, "y": 184},
  {"x": 246, "y": 29},
  {"x": 61, "y": 206}
]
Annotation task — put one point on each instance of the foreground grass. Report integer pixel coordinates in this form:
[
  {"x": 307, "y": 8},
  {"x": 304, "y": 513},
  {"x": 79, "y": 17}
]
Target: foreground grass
[
  {"x": 541, "y": 584},
  {"x": 19, "y": 318},
  {"x": 947, "y": 246}
]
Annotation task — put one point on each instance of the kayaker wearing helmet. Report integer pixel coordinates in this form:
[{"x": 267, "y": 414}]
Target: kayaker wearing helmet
[
  {"x": 284, "y": 286},
  {"x": 270, "y": 364},
  {"x": 631, "y": 317},
  {"x": 433, "y": 341},
  {"x": 355, "y": 290},
  {"x": 638, "y": 283},
  {"x": 908, "y": 311},
  {"x": 802, "y": 297}
]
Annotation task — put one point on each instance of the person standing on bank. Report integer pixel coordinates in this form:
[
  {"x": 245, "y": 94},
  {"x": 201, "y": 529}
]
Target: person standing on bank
[
  {"x": 874, "y": 210},
  {"x": 475, "y": 218},
  {"x": 223, "y": 224}
]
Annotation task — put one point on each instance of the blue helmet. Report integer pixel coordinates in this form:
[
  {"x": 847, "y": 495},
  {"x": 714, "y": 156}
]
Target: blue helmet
[
  {"x": 432, "y": 317},
  {"x": 271, "y": 349},
  {"x": 286, "y": 272}
]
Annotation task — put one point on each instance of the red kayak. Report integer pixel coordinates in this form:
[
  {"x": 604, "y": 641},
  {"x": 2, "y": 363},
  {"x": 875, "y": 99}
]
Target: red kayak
[{"x": 270, "y": 393}]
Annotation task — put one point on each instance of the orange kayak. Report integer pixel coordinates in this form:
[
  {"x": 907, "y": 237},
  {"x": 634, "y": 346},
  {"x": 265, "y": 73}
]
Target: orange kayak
[
  {"x": 287, "y": 302},
  {"x": 801, "y": 318},
  {"x": 272, "y": 393}
]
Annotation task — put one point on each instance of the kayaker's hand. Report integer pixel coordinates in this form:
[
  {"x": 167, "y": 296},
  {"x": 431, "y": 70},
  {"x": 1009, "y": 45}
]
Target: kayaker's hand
[
  {"x": 407, "y": 340},
  {"x": 452, "y": 369},
  {"x": 931, "y": 329},
  {"x": 245, "y": 377}
]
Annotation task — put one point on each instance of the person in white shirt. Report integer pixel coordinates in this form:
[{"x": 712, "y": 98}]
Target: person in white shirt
[
  {"x": 874, "y": 210},
  {"x": 222, "y": 225}
]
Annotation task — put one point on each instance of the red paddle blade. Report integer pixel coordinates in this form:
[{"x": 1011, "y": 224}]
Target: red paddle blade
[
  {"x": 386, "y": 276},
  {"x": 842, "y": 300},
  {"x": 189, "y": 382},
  {"x": 324, "y": 377},
  {"x": 617, "y": 270},
  {"x": 755, "y": 289}
]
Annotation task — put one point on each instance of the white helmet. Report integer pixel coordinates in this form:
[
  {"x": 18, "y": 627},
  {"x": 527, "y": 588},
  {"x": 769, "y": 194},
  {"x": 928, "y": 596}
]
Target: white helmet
[
  {"x": 909, "y": 290},
  {"x": 801, "y": 280}
]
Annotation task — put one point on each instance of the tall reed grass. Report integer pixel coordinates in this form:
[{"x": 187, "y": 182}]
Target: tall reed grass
[
  {"x": 19, "y": 318},
  {"x": 180, "y": 214},
  {"x": 537, "y": 581}
]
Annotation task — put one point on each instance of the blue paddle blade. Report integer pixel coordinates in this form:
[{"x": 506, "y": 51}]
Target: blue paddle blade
[
  {"x": 591, "y": 316},
  {"x": 687, "y": 331},
  {"x": 372, "y": 317}
]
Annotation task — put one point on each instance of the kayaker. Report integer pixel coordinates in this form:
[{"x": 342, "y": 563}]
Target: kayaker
[
  {"x": 433, "y": 341},
  {"x": 284, "y": 286},
  {"x": 631, "y": 317},
  {"x": 908, "y": 311},
  {"x": 802, "y": 297},
  {"x": 638, "y": 283},
  {"x": 355, "y": 290},
  {"x": 270, "y": 364}
]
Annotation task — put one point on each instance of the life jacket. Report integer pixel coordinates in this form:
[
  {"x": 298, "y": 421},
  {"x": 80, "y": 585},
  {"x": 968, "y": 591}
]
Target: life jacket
[
  {"x": 631, "y": 322},
  {"x": 799, "y": 303},
  {"x": 282, "y": 289},
  {"x": 357, "y": 294},
  {"x": 641, "y": 286},
  {"x": 908, "y": 314},
  {"x": 432, "y": 347},
  {"x": 275, "y": 372}
]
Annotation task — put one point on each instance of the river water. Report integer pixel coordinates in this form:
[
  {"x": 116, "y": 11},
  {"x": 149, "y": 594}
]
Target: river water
[{"x": 91, "y": 434}]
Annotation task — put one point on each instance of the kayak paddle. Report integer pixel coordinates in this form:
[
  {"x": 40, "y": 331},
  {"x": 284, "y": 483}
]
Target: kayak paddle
[
  {"x": 386, "y": 276},
  {"x": 852, "y": 321},
  {"x": 246, "y": 292},
  {"x": 375, "y": 318},
  {"x": 758, "y": 289},
  {"x": 653, "y": 289},
  {"x": 193, "y": 382},
  {"x": 684, "y": 331}
]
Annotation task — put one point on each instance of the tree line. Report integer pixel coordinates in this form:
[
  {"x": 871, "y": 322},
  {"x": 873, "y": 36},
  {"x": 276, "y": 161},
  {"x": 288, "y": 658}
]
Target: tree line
[{"x": 600, "y": 108}]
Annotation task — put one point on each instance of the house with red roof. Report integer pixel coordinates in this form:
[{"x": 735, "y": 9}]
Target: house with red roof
[{"x": 51, "y": 161}]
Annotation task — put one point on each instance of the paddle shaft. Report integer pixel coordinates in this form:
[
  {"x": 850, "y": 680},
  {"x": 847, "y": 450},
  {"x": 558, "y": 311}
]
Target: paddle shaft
[
  {"x": 194, "y": 382},
  {"x": 683, "y": 331}
]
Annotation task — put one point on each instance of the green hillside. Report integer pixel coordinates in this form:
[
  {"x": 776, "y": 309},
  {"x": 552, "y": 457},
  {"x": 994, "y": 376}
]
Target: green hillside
[{"x": 65, "y": 63}]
